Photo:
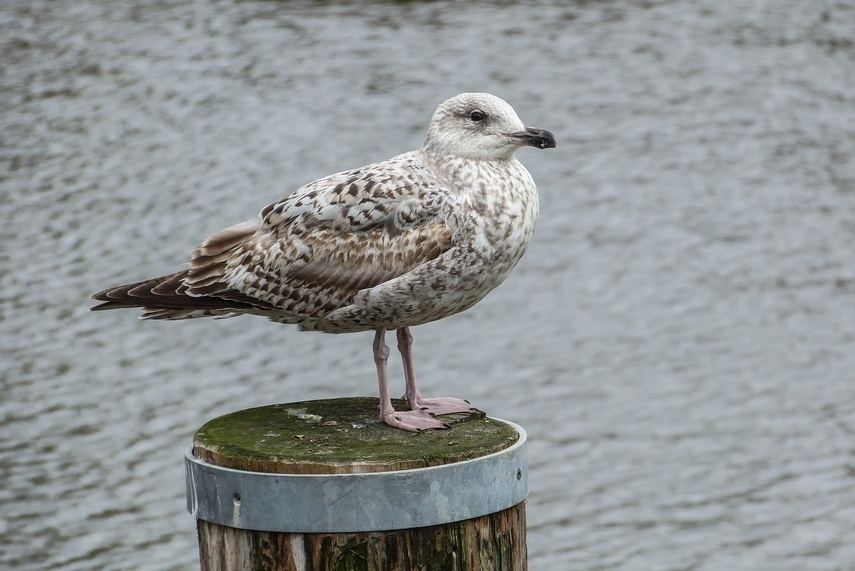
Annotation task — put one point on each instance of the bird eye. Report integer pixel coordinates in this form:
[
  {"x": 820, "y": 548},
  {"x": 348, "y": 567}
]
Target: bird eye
[{"x": 476, "y": 115}]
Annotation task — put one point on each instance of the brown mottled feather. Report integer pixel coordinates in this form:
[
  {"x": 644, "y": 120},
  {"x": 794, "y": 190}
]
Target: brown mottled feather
[{"x": 303, "y": 257}]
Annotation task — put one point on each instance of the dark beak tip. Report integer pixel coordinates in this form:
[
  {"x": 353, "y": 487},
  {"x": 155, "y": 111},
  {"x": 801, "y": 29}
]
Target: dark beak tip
[{"x": 547, "y": 140}]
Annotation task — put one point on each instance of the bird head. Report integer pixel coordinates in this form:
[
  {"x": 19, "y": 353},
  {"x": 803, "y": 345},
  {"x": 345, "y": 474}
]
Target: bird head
[{"x": 481, "y": 126}]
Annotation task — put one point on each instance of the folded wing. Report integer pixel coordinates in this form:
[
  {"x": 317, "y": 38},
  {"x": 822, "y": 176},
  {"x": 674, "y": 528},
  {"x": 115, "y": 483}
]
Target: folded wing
[{"x": 306, "y": 255}]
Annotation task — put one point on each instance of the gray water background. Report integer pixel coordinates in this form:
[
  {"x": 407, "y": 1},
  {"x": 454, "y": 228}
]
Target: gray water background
[{"x": 678, "y": 341}]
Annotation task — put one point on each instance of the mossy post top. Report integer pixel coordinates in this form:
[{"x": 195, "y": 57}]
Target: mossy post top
[
  {"x": 341, "y": 436},
  {"x": 329, "y": 466}
]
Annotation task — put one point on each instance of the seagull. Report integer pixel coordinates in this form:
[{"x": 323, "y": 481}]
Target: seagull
[{"x": 387, "y": 246}]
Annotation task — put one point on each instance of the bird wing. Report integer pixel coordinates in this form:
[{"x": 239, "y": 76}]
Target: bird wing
[{"x": 311, "y": 252}]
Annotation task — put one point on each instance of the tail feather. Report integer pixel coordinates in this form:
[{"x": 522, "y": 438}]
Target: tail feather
[
  {"x": 128, "y": 295},
  {"x": 201, "y": 291},
  {"x": 165, "y": 297}
]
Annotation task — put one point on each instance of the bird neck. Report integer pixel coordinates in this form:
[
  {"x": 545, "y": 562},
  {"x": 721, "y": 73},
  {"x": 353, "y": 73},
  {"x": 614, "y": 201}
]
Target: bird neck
[{"x": 460, "y": 172}]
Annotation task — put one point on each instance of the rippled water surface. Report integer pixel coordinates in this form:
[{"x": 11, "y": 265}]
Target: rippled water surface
[{"x": 679, "y": 341}]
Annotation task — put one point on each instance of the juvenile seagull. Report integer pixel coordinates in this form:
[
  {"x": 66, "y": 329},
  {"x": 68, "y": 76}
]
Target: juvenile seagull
[{"x": 391, "y": 245}]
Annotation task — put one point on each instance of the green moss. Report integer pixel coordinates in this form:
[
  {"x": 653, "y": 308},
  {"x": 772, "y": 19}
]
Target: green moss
[{"x": 344, "y": 431}]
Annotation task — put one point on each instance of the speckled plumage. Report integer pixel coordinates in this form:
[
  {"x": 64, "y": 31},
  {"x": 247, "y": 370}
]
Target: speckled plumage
[{"x": 390, "y": 245}]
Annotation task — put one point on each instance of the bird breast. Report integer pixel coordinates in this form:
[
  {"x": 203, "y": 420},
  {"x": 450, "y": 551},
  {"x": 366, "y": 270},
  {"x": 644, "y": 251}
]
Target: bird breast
[{"x": 492, "y": 224}]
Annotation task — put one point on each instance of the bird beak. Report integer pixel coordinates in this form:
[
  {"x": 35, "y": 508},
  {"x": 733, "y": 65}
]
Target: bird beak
[{"x": 533, "y": 137}]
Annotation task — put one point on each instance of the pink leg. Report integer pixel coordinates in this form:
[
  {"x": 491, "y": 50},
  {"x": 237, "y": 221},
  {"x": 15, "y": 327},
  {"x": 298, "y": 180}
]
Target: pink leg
[
  {"x": 436, "y": 406},
  {"x": 411, "y": 420}
]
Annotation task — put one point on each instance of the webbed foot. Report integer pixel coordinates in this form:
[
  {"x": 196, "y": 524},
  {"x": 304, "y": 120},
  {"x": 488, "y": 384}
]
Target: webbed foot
[
  {"x": 443, "y": 405},
  {"x": 413, "y": 420}
]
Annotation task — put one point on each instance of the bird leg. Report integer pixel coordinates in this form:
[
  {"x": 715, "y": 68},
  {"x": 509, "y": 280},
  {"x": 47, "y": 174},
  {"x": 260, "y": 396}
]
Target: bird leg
[
  {"x": 412, "y": 420},
  {"x": 435, "y": 406}
]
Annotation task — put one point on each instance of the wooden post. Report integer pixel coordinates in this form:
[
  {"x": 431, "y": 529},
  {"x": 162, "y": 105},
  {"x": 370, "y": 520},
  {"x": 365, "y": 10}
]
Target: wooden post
[{"x": 322, "y": 485}]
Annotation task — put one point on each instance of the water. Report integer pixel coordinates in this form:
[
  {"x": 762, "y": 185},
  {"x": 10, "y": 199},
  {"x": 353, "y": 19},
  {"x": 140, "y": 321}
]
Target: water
[{"x": 678, "y": 341}]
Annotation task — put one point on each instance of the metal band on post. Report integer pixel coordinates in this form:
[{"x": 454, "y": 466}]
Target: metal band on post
[{"x": 338, "y": 503}]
